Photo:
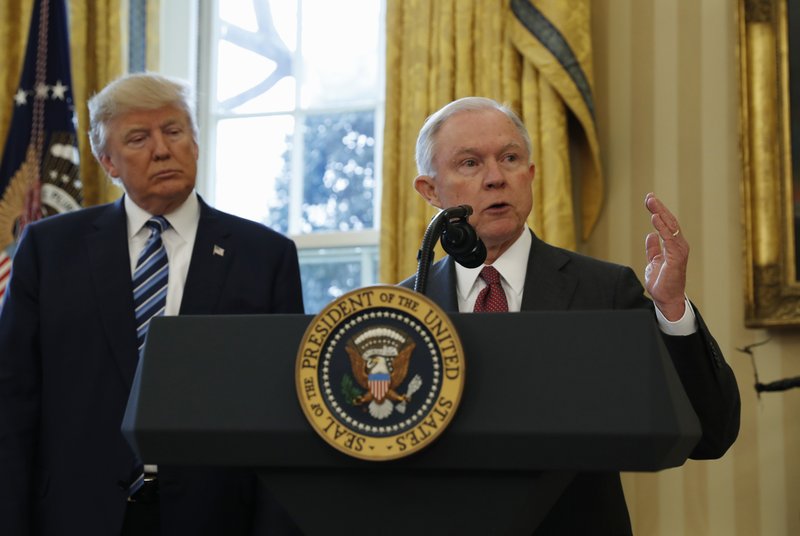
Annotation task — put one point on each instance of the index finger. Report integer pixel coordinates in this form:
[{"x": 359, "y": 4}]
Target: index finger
[{"x": 659, "y": 210}]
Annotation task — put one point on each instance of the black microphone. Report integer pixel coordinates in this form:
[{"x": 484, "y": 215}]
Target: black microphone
[
  {"x": 458, "y": 238},
  {"x": 461, "y": 242}
]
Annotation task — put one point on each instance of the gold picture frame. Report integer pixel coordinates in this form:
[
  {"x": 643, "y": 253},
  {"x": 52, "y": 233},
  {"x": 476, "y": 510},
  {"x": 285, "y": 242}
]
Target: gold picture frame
[{"x": 772, "y": 288}]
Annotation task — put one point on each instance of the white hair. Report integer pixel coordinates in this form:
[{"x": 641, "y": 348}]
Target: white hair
[
  {"x": 137, "y": 91},
  {"x": 426, "y": 141}
]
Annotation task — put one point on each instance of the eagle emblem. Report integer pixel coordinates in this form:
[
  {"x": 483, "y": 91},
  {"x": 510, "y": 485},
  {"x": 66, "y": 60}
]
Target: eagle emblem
[{"x": 379, "y": 359}]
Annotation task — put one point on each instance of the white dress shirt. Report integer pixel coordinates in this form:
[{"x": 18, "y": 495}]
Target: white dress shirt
[
  {"x": 512, "y": 266},
  {"x": 178, "y": 241}
]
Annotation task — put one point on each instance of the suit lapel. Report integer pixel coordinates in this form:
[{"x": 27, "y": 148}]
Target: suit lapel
[
  {"x": 441, "y": 286},
  {"x": 547, "y": 287},
  {"x": 110, "y": 267},
  {"x": 211, "y": 258}
]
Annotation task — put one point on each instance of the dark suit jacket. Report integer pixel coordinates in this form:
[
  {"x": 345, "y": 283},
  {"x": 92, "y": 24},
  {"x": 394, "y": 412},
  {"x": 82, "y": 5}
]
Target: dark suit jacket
[
  {"x": 557, "y": 280},
  {"x": 67, "y": 360}
]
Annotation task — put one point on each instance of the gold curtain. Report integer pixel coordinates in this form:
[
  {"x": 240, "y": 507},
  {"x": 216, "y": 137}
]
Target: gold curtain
[
  {"x": 562, "y": 55},
  {"x": 15, "y": 18},
  {"x": 96, "y": 37},
  {"x": 96, "y": 44},
  {"x": 444, "y": 50}
]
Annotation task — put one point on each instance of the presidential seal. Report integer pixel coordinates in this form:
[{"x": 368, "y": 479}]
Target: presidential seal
[{"x": 380, "y": 372}]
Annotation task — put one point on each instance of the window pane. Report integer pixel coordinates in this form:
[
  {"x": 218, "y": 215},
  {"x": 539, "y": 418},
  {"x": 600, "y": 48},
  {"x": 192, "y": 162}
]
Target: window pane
[
  {"x": 252, "y": 174},
  {"x": 339, "y": 172},
  {"x": 333, "y": 32},
  {"x": 255, "y": 56},
  {"x": 329, "y": 273},
  {"x": 251, "y": 90},
  {"x": 238, "y": 12}
]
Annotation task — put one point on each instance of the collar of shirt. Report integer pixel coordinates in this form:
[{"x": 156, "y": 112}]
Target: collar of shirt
[
  {"x": 183, "y": 220},
  {"x": 512, "y": 265}
]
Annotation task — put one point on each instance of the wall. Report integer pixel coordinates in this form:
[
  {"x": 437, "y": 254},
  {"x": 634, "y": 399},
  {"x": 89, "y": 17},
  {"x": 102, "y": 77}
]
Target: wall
[{"x": 667, "y": 107}]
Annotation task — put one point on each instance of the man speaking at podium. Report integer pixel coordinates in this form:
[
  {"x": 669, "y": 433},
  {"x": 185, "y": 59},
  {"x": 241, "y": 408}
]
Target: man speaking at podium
[
  {"x": 83, "y": 290},
  {"x": 477, "y": 152}
]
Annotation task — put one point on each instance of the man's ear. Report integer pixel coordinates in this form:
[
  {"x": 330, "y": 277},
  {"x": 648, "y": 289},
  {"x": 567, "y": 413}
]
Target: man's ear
[
  {"x": 426, "y": 187},
  {"x": 108, "y": 165}
]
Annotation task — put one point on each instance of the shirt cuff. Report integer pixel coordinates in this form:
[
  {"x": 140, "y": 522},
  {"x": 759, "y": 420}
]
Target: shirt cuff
[{"x": 686, "y": 325}]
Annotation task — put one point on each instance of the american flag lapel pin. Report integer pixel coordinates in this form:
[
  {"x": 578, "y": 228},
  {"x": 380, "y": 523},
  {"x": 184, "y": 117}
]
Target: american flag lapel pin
[{"x": 218, "y": 251}]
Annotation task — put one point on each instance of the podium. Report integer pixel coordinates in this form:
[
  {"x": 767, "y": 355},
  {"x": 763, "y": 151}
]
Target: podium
[{"x": 546, "y": 395}]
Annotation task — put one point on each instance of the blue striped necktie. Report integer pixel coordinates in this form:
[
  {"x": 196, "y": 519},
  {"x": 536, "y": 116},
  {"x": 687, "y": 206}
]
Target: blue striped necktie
[{"x": 150, "y": 279}]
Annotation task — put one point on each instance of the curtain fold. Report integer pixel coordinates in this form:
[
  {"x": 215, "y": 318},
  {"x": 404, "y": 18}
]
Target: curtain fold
[
  {"x": 555, "y": 37},
  {"x": 96, "y": 53},
  {"x": 96, "y": 36},
  {"x": 444, "y": 50},
  {"x": 15, "y": 18}
]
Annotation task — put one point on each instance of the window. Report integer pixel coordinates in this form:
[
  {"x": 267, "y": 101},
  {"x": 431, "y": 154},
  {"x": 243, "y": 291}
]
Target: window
[{"x": 291, "y": 108}]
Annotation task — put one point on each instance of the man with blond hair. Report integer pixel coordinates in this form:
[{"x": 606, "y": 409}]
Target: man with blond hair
[{"x": 83, "y": 290}]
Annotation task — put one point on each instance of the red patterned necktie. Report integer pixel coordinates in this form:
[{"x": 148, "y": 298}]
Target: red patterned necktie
[{"x": 492, "y": 299}]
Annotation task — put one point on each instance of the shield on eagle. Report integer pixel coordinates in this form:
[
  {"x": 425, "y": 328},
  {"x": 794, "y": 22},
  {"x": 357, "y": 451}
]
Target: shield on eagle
[{"x": 379, "y": 359}]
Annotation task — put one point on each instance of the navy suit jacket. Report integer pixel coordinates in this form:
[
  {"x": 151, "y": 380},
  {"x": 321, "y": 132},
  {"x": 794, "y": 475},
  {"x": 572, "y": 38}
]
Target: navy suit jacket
[
  {"x": 67, "y": 360},
  {"x": 559, "y": 280}
]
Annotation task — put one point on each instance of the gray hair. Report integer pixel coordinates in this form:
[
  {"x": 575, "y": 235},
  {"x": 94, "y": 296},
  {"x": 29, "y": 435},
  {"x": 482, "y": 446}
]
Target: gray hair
[
  {"x": 138, "y": 91},
  {"x": 426, "y": 140}
]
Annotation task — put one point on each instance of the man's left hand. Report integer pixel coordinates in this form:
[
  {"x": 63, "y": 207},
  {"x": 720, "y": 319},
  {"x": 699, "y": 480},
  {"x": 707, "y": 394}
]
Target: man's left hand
[{"x": 667, "y": 258}]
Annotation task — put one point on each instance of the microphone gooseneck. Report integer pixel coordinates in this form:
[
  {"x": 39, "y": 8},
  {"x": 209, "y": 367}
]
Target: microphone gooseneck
[{"x": 458, "y": 238}]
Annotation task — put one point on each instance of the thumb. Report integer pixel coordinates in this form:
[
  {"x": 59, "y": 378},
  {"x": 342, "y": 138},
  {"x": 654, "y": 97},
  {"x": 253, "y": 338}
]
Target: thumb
[{"x": 652, "y": 246}]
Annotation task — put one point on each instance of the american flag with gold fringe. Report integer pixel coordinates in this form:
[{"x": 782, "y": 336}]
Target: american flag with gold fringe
[{"x": 39, "y": 169}]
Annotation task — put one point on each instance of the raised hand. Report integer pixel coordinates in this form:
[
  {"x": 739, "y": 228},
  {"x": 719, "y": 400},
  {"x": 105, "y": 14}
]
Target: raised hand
[{"x": 667, "y": 257}]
